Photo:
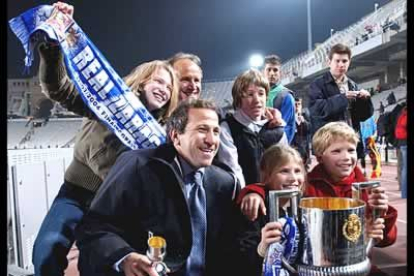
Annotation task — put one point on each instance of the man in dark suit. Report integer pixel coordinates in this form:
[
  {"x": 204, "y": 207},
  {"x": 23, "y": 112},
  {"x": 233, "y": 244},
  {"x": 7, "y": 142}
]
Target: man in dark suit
[{"x": 150, "y": 191}]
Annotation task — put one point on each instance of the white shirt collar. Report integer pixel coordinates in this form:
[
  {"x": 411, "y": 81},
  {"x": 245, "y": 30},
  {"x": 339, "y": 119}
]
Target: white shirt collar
[{"x": 245, "y": 120}]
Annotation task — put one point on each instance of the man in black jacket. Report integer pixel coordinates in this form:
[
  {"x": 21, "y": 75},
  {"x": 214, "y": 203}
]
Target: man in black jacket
[
  {"x": 148, "y": 191},
  {"x": 335, "y": 97}
]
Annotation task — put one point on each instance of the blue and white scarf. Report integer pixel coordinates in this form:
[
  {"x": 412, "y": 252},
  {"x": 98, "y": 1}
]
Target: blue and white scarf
[
  {"x": 286, "y": 248},
  {"x": 101, "y": 88}
]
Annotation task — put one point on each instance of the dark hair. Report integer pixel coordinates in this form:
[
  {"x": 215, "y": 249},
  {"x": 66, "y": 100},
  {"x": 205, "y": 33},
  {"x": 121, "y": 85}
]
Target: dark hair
[
  {"x": 242, "y": 82},
  {"x": 339, "y": 49},
  {"x": 273, "y": 59},
  {"x": 181, "y": 55},
  {"x": 179, "y": 118}
]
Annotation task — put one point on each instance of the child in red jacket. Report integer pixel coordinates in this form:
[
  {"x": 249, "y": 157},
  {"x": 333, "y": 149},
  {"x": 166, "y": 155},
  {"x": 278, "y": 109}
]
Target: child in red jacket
[{"x": 335, "y": 148}]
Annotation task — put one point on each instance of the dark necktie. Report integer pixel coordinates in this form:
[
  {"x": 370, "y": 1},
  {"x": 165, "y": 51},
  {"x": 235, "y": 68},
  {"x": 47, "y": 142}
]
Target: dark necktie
[{"x": 197, "y": 205}]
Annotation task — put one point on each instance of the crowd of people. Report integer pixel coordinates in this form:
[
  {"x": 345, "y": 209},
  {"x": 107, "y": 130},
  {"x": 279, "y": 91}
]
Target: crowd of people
[{"x": 204, "y": 190}]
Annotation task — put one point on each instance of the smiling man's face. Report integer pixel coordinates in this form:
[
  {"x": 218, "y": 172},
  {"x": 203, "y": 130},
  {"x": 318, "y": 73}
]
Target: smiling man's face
[
  {"x": 200, "y": 141},
  {"x": 190, "y": 77}
]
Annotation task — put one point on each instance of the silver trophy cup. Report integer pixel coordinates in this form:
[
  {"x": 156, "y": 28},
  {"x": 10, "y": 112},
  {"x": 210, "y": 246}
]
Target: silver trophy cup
[
  {"x": 335, "y": 237},
  {"x": 335, "y": 242}
]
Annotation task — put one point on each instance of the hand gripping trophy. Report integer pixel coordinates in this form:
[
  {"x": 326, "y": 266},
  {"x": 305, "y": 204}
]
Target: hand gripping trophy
[{"x": 329, "y": 237}]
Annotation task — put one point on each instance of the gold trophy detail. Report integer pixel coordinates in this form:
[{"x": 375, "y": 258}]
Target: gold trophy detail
[{"x": 157, "y": 249}]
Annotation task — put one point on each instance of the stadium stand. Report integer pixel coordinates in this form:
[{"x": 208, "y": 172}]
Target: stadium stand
[
  {"x": 367, "y": 28},
  {"x": 220, "y": 92},
  {"x": 400, "y": 93},
  {"x": 16, "y": 131},
  {"x": 54, "y": 133},
  {"x": 308, "y": 63}
]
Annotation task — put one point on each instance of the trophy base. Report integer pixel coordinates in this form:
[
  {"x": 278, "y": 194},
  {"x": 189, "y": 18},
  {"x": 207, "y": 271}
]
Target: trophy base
[{"x": 359, "y": 269}]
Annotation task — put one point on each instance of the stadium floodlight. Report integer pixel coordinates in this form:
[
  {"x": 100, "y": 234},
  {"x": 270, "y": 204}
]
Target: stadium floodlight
[
  {"x": 256, "y": 60},
  {"x": 332, "y": 32},
  {"x": 376, "y": 6}
]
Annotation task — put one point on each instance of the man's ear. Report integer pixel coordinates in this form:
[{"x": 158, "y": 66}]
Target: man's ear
[{"x": 174, "y": 137}]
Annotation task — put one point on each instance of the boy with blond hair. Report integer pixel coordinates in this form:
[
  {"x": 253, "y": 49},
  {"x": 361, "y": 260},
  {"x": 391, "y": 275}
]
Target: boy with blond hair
[{"x": 334, "y": 145}]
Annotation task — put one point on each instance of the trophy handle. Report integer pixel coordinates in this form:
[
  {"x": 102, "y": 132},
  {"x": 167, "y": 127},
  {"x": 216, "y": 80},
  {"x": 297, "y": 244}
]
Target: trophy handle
[
  {"x": 371, "y": 241},
  {"x": 357, "y": 188},
  {"x": 274, "y": 203},
  {"x": 274, "y": 213}
]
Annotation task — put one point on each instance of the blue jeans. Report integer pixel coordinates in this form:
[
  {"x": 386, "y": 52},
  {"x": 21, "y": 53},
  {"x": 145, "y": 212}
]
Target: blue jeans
[
  {"x": 57, "y": 232},
  {"x": 403, "y": 175}
]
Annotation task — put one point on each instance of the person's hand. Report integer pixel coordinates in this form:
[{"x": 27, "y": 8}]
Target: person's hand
[
  {"x": 300, "y": 119},
  {"x": 363, "y": 94},
  {"x": 271, "y": 232},
  {"x": 352, "y": 94},
  {"x": 49, "y": 46},
  {"x": 375, "y": 230},
  {"x": 377, "y": 199},
  {"x": 274, "y": 117},
  {"x": 138, "y": 265},
  {"x": 250, "y": 205},
  {"x": 64, "y": 8}
]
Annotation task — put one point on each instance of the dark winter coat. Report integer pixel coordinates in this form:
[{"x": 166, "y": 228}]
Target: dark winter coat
[{"x": 327, "y": 104}]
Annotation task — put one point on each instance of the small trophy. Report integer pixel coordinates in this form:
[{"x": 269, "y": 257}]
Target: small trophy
[{"x": 157, "y": 249}]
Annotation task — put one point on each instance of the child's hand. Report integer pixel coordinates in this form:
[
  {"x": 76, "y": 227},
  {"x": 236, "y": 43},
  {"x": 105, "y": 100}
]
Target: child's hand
[
  {"x": 378, "y": 199},
  {"x": 274, "y": 117},
  {"x": 271, "y": 232},
  {"x": 376, "y": 230},
  {"x": 250, "y": 206}
]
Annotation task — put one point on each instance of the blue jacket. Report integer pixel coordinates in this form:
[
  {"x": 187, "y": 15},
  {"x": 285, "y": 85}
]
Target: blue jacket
[
  {"x": 327, "y": 104},
  {"x": 285, "y": 103}
]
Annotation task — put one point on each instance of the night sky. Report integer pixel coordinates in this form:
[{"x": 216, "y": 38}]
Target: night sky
[{"x": 224, "y": 33}]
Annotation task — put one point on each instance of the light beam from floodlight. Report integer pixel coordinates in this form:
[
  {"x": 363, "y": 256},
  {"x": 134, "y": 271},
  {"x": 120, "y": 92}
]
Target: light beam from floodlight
[{"x": 256, "y": 60}]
